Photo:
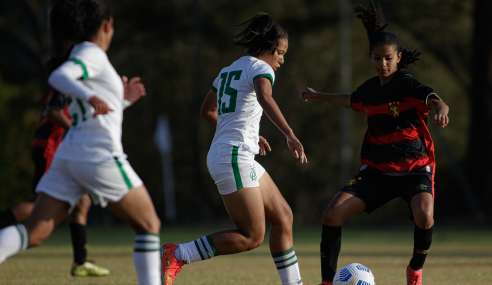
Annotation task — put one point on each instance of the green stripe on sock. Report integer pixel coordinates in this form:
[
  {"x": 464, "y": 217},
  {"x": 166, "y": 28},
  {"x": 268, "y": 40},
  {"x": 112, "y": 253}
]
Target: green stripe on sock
[
  {"x": 284, "y": 260},
  {"x": 279, "y": 254},
  {"x": 205, "y": 247},
  {"x": 86, "y": 75},
  {"x": 199, "y": 251},
  {"x": 288, "y": 265},
  {"x": 235, "y": 168},
  {"x": 145, "y": 250},
  {"x": 21, "y": 236},
  {"x": 125, "y": 177},
  {"x": 212, "y": 245},
  {"x": 145, "y": 241}
]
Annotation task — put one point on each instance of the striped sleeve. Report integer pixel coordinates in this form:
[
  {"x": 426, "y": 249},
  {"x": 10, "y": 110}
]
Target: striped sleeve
[{"x": 261, "y": 69}]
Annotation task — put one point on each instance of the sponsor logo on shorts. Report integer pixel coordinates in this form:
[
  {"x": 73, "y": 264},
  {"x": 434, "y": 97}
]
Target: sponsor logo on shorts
[
  {"x": 394, "y": 109},
  {"x": 252, "y": 174},
  {"x": 421, "y": 187},
  {"x": 353, "y": 181}
]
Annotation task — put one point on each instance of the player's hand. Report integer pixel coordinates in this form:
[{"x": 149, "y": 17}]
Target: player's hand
[
  {"x": 100, "y": 107},
  {"x": 307, "y": 94},
  {"x": 264, "y": 146},
  {"x": 296, "y": 148},
  {"x": 440, "y": 120},
  {"x": 134, "y": 89}
]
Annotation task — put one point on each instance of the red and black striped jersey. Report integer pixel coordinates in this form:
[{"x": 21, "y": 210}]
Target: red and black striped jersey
[
  {"x": 397, "y": 138},
  {"x": 49, "y": 134}
]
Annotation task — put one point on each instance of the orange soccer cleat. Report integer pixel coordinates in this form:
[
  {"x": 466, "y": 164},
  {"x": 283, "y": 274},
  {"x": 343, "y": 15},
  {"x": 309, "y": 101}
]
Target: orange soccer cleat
[
  {"x": 170, "y": 265},
  {"x": 414, "y": 277}
]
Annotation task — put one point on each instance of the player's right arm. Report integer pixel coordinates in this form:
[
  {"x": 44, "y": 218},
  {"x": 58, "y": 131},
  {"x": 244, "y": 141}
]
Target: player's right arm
[
  {"x": 342, "y": 100},
  {"x": 263, "y": 89},
  {"x": 65, "y": 79},
  {"x": 209, "y": 108}
]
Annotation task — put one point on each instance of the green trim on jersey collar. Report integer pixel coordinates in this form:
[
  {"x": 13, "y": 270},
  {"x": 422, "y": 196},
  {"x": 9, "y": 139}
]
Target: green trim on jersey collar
[
  {"x": 86, "y": 75},
  {"x": 214, "y": 89},
  {"x": 266, "y": 75}
]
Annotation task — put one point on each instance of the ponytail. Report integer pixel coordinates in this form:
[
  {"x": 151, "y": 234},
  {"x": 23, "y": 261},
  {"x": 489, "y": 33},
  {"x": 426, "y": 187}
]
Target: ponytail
[
  {"x": 373, "y": 19},
  {"x": 262, "y": 34}
]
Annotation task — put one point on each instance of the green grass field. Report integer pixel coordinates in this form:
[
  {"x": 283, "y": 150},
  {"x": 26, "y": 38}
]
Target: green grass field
[{"x": 456, "y": 257}]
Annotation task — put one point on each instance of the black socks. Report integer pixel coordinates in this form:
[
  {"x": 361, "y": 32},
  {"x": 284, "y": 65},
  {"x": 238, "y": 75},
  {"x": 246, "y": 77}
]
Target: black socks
[
  {"x": 7, "y": 219},
  {"x": 331, "y": 242},
  {"x": 422, "y": 240},
  {"x": 78, "y": 233}
]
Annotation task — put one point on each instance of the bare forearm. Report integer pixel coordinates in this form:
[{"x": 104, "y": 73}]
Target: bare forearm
[
  {"x": 59, "y": 118},
  {"x": 211, "y": 118},
  {"x": 342, "y": 100},
  {"x": 271, "y": 109},
  {"x": 441, "y": 108}
]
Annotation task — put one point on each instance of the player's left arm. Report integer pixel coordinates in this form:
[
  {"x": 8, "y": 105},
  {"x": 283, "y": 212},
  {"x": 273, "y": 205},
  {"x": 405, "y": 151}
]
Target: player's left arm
[
  {"x": 59, "y": 118},
  {"x": 441, "y": 118},
  {"x": 209, "y": 108},
  {"x": 134, "y": 89}
]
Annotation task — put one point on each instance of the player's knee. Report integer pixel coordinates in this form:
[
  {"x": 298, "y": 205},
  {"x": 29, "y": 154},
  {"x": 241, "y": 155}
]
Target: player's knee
[
  {"x": 332, "y": 217},
  {"x": 256, "y": 240},
  {"x": 35, "y": 240},
  {"x": 151, "y": 225},
  {"x": 283, "y": 218},
  {"x": 423, "y": 218}
]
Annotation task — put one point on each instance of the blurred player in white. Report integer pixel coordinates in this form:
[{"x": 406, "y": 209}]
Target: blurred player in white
[
  {"x": 234, "y": 105},
  {"x": 91, "y": 159}
]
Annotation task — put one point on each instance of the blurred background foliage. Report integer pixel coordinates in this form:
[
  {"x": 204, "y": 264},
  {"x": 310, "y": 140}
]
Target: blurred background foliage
[{"x": 178, "y": 48}]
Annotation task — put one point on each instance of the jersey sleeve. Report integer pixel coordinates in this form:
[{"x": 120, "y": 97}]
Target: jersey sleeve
[
  {"x": 417, "y": 94},
  {"x": 215, "y": 85},
  {"x": 356, "y": 99},
  {"x": 87, "y": 63},
  {"x": 261, "y": 69}
]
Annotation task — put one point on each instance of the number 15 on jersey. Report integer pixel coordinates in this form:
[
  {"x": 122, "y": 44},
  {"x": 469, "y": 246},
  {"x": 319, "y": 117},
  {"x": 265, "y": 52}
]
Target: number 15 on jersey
[{"x": 227, "y": 77}]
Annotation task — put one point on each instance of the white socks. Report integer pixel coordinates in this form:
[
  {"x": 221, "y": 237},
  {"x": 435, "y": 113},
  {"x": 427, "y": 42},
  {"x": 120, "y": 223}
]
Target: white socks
[
  {"x": 287, "y": 267},
  {"x": 146, "y": 259},
  {"x": 13, "y": 239},
  {"x": 200, "y": 249}
]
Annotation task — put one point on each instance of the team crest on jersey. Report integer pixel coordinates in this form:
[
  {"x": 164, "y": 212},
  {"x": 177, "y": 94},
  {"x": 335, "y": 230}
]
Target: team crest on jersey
[
  {"x": 394, "y": 109},
  {"x": 421, "y": 187},
  {"x": 252, "y": 174},
  {"x": 353, "y": 181}
]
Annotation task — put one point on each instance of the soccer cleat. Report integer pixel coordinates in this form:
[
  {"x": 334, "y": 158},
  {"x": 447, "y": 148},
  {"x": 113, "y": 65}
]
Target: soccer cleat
[
  {"x": 170, "y": 265},
  {"x": 414, "y": 277},
  {"x": 326, "y": 283},
  {"x": 88, "y": 269}
]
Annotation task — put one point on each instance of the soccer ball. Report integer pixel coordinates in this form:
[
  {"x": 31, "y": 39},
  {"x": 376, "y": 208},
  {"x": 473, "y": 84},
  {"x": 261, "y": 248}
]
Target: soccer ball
[{"x": 354, "y": 274}]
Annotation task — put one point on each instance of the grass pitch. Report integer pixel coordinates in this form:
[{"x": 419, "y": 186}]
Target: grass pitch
[{"x": 456, "y": 257}]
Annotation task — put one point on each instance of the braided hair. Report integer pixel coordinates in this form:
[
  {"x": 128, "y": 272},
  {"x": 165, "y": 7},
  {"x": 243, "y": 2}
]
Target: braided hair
[
  {"x": 373, "y": 19},
  {"x": 263, "y": 34}
]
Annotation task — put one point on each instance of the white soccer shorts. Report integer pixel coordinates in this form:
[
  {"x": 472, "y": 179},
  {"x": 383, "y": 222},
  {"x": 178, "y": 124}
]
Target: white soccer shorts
[
  {"x": 106, "y": 182},
  {"x": 233, "y": 168}
]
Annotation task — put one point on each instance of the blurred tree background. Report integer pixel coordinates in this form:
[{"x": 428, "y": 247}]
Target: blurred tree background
[{"x": 178, "y": 48}]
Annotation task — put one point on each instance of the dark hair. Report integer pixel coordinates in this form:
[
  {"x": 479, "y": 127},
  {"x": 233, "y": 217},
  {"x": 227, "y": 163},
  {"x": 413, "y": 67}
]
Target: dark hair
[
  {"x": 373, "y": 19},
  {"x": 262, "y": 34},
  {"x": 78, "y": 20}
]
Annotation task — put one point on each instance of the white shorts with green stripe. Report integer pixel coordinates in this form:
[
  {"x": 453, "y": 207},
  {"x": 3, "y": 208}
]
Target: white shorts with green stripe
[
  {"x": 233, "y": 168},
  {"x": 106, "y": 182}
]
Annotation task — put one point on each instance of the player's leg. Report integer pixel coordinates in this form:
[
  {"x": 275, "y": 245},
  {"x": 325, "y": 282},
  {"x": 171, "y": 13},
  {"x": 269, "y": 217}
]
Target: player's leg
[
  {"x": 279, "y": 214},
  {"x": 136, "y": 209},
  {"x": 246, "y": 210},
  {"x": 78, "y": 233},
  {"x": 20, "y": 212},
  {"x": 342, "y": 206},
  {"x": 47, "y": 213},
  {"x": 15, "y": 214},
  {"x": 419, "y": 195}
]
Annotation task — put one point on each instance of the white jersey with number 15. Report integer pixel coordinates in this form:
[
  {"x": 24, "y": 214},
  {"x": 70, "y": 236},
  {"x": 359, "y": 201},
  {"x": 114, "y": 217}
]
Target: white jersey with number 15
[{"x": 239, "y": 112}]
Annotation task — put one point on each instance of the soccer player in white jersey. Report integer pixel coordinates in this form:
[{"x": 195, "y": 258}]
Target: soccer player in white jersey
[
  {"x": 91, "y": 159},
  {"x": 234, "y": 105}
]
